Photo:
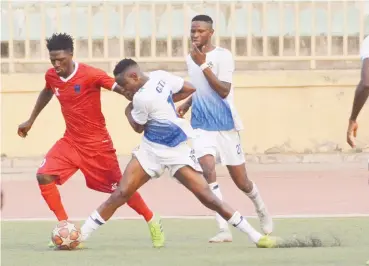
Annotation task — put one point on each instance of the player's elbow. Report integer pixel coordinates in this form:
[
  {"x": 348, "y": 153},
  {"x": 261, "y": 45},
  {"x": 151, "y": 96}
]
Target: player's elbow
[
  {"x": 139, "y": 129},
  {"x": 46, "y": 94},
  {"x": 224, "y": 94},
  {"x": 191, "y": 90},
  {"x": 365, "y": 74},
  {"x": 365, "y": 83},
  {"x": 188, "y": 88},
  {"x": 224, "y": 89}
]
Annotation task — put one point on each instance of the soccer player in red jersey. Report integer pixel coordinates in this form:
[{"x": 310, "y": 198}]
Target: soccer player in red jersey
[{"x": 86, "y": 144}]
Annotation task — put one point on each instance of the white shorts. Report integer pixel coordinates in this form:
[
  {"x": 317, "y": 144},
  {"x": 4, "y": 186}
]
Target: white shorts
[
  {"x": 225, "y": 146},
  {"x": 155, "y": 158}
]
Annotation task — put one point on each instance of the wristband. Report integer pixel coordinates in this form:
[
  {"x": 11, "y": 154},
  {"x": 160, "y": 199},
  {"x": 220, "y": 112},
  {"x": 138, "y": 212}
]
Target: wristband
[{"x": 204, "y": 66}]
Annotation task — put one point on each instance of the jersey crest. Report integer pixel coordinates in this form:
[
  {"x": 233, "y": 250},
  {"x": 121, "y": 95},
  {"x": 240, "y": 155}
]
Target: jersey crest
[{"x": 77, "y": 88}]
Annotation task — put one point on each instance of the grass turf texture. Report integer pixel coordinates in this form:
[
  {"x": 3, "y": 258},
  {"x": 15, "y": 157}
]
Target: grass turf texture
[{"x": 128, "y": 243}]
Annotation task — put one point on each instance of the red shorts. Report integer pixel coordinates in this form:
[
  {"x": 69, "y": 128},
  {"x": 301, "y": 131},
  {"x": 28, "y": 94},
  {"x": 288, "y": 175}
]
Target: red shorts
[{"x": 101, "y": 170}]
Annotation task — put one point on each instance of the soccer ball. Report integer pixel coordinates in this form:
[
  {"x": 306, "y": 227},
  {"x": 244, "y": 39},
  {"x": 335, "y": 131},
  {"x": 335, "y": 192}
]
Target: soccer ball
[{"x": 66, "y": 236}]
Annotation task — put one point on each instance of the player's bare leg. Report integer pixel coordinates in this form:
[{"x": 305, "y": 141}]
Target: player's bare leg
[
  {"x": 199, "y": 187},
  {"x": 207, "y": 163},
  {"x": 240, "y": 178},
  {"x": 133, "y": 178}
]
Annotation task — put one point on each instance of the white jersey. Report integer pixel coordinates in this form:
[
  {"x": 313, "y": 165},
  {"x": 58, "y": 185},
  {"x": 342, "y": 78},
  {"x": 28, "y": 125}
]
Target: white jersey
[
  {"x": 209, "y": 111},
  {"x": 153, "y": 107},
  {"x": 364, "y": 51}
]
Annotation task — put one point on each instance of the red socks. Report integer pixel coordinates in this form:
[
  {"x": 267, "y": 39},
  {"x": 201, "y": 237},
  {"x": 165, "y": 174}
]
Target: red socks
[
  {"x": 137, "y": 203},
  {"x": 51, "y": 195}
]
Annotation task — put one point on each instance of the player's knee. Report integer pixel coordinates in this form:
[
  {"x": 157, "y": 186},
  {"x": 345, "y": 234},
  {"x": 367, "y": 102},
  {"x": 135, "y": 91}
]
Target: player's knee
[
  {"x": 121, "y": 195},
  {"x": 45, "y": 179},
  {"x": 209, "y": 173}
]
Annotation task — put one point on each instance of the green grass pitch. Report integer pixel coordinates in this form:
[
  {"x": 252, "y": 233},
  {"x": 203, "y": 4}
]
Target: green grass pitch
[{"x": 127, "y": 242}]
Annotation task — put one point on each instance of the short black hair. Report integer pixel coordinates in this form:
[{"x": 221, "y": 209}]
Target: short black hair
[
  {"x": 204, "y": 18},
  {"x": 60, "y": 41},
  {"x": 123, "y": 65}
]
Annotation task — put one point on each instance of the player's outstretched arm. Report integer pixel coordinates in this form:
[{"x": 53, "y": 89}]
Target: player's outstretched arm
[
  {"x": 136, "y": 126},
  {"x": 42, "y": 100},
  {"x": 361, "y": 94},
  {"x": 102, "y": 79},
  {"x": 184, "y": 93},
  {"x": 362, "y": 91}
]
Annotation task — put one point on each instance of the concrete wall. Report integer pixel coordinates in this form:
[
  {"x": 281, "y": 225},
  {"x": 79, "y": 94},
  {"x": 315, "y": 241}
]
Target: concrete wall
[{"x": 283, "y": 111}]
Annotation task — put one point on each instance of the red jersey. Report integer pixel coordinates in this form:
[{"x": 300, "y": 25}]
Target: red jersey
[{"x": 80, "y": 100}]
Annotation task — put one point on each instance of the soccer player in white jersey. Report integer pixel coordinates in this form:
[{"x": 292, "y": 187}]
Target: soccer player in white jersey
[
  {"x": 361, "y": 93},
  {"x": 163, "y": 145},
  {"x": 216, "y": 121}
]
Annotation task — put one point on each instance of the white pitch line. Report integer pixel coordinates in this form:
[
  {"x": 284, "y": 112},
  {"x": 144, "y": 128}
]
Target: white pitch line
[{"x": 298, "y": 216}]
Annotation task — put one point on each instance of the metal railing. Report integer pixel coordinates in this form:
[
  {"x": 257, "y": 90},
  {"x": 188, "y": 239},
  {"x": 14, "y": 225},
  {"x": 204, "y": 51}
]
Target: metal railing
[{"x": 254, "y": 31}]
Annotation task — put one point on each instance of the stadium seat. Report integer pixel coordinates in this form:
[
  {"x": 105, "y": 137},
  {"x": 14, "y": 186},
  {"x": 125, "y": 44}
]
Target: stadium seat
[
  {"x": 113, "y": 24},
  {"x": 176, "y": 18},
  {"x": 306, "y": 18},
  {"x": 366, "y": 25},
  {"x": 144, "y": 24},
  {"x": 19, "y": 26},
  {"x": 221, "y": 25},
  {"x": 274, "y": 16},
  {"x": 4, "y": 25},
  {"x": 240, "y": 20},
  {"x": 65, "y": 19},
  {"x": 353, "y": 22},
  {"x": 81, "y": 27},
  {"x": 34, "y": 21}
]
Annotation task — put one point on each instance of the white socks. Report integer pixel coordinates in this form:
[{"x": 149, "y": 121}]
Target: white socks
[
  {"x": 222, "y": 224},
  {"x": 255, "y": 197},
  {"x": 241, "y": 223},
  {"x": 92, "y": 223}
]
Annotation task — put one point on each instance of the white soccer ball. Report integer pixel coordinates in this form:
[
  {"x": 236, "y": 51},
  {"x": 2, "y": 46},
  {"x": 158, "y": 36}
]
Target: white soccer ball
[{"x": 66, "y": 236}]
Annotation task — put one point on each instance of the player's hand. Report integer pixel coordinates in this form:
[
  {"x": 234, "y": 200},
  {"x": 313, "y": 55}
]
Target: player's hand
[
  {"x": 199, "y": 57},
  {"x": 351, "y": 133},
  {"x": 182, "y": 109},
  {"x": 24, "y": 128}
]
